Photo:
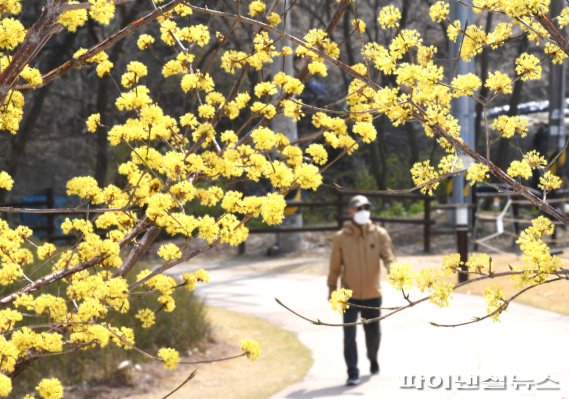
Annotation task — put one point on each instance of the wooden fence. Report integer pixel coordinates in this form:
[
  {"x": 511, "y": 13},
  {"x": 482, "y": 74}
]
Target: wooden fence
[{"x": 340, "y": 205}]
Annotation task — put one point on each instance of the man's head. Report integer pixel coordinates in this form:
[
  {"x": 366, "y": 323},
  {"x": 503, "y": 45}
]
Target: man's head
[{"x": 359, "y": 209}]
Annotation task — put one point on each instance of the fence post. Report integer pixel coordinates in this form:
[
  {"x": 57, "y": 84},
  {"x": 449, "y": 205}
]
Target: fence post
[
  {"x": 515, "y": 215},
  {"x": 50, "y": 204},
  {"x": 339, "y": 209},
  {"x": 427, "y": 224}
]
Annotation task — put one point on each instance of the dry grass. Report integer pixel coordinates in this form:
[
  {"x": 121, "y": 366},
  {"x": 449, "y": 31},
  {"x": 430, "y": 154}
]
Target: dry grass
[{"x": 284, "y": 361}]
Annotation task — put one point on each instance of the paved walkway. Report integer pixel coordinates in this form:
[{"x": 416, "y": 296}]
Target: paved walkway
[{"x": 528, "y": 346}]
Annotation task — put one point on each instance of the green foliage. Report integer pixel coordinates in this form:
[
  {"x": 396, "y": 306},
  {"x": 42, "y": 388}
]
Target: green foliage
[
  {"x": 183, "y": 329},
  {"x": 416, "y": 207},
  {"x": 365, "y": 180}
]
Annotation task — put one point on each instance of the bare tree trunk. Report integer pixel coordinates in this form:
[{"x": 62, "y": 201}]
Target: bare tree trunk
[
  {"x": 102, "y": 152},
  {"x": 348, "y": 43},
  {"x": 484, "y": 90},
  {"x": 20, "y": 140},
  {"x": 412, "y": 140},
  {"x": 376, "y": 157},
  {"x": 515, "y": 99}
]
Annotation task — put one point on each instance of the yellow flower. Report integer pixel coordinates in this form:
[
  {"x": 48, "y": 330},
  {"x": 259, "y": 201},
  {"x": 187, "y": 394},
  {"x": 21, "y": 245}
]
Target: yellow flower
[
  {"x": 535, "y": 159},
  {"x": 528, "y": 67},
  {"x": 9, "y": 273},
  {"x": 10, "y": 7},
  {"x": 563, "y": 18},
  {"x": 549, "y": 182},
  {"x": 359, "y": 25},
  {"x": 453, "y": 30},
  {"x": 104, "y": 68},
  {"x": 318, "y": 153},
  {"x": 169, "y": 252},
  {"x": 50, "y": 388},
  {"x": 318, "y": 68},
  {"x": 256, "y": 7},
  {"x": 272, "y": 208},
  {"x": 366, "y": 130},
  {"x": 6, "y": 181},
  {"x": 389, "y": 17},
  {"x": 45, "y": 251},
  {"x": 555, "y": 52},
  {"x": 499, "y": 82},
  {"x": 145, "y": 41},
  {"x": 479, "y": 263},
  {"x": 289, "y": 84},
  {"x": 102, "y": 11},
  {"x": 508, "y": 126},
  {"x": 32, "y": 75},
  {"x": 8, "y": 318},
  {"x": 477, "y": 173},
  {"x": 401, "y": 276},
  {"x": 339, "y": 300},
  {"x": 519, "y": 169},
  {"x": 264, "y": 138},
  {"x": 134, "y": 71},
  {"x": 93, "y": 122},
  {"x": 202, "y": 275},
  {"x": 423, "y": 174},
  {"x": 494, "y": 296},
  {"x": 441, "y": 293},
  {"x": 451, "y": 263},
  {"x": 5, "y": 385},
  {"x": 251, "y": 349},
  {"x": 439, "y": 11},
  {"x": 85, "y": 187},
  {"x": 474, "y": 41},
  {"x": 501, "y": 33},
  {"x": 12, "y": 33},
  {"x": 170, "y": 357},
  {"x": 426, "y": 278},
  {"x": 449, "y": 164},
  {"x": 465, "y": 85},
  {"x": 274, "y": 19}
]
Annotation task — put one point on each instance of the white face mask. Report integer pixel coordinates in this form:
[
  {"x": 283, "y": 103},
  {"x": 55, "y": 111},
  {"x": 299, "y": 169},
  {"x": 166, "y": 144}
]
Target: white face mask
[{"x": 362, "y": 217}]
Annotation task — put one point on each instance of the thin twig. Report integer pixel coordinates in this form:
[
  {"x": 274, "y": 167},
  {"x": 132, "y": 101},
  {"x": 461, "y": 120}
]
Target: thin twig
[{"x": 192, "y": 375}]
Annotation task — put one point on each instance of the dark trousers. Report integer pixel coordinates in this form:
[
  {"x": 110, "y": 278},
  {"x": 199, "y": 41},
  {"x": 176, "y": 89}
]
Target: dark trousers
[{"x": 372, "y": 334}]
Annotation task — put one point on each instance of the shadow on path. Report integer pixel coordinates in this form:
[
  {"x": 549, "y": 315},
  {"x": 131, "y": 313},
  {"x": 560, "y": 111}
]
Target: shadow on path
[{"x": 338, "y": 390}]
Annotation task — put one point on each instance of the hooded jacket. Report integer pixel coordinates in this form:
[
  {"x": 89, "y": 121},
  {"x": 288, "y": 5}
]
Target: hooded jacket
[{"x": 356, "y": 257}]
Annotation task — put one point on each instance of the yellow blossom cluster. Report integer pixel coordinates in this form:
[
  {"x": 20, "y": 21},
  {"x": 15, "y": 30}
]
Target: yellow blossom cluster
[
  {"x": 170, "y": 357},
  {"x": 477, "y": 173},
  {"x": 494, "y": 296},
  {"x": 538, "y": 262},
  {"x": 339, "y": 299},
  {"x": 101, "y": 11},
  {"x": 251, "y": 348}
]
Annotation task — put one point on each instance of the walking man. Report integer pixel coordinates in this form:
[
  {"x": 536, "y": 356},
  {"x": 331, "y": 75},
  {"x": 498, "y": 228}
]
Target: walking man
[{"x": 357, "y": 251}]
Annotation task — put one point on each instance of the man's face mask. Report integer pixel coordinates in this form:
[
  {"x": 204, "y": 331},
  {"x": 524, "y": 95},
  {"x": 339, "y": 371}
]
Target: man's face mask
[{"x": 362, "y": 215}]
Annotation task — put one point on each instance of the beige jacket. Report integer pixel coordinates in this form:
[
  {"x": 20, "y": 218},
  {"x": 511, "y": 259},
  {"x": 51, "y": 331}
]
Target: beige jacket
[{"x": 356, "y": 258}]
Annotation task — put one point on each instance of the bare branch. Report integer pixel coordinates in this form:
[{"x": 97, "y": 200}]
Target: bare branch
[{"x": 102, "y": 46}]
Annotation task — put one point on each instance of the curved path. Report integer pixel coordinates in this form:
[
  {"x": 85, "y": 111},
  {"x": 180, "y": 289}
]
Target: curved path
[{"x": 524, "y": 349}]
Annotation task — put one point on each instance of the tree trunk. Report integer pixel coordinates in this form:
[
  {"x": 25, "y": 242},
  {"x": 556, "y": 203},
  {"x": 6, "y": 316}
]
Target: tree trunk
[
  {"x": 20, "y": 141},
  {"x": 504, "y": 144},
  {"x": 483, "y": 90}
]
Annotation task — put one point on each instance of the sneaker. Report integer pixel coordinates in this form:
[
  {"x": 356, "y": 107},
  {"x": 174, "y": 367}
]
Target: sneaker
[
  {"x": 374, "y": 368},
  {"x": 353, "y": 381}
]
